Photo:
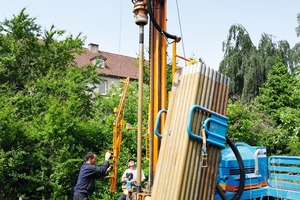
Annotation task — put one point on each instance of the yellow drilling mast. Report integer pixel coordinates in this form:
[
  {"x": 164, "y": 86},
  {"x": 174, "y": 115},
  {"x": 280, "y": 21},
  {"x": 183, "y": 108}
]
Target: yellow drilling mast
[{"x": 118, "y": 129}]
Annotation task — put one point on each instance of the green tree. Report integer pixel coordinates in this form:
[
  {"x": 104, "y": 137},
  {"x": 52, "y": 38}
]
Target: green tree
[
  {"x": 290, "y": 118},
  {"x": 298, "y": 27},
  {"x": 278, "y": 100},
  {"x": 237, "y": 49},
  {"x": 286, "y": 53},
  {"x": 248, "y": 124},
  {"x": 248, "y": 66},
  {"x": 272, "y": 120},
  {"x": 277, "y": 92},
  {"x": 295, "y": 57},
  {"x": 268, "y": 51},
  {"x": 47, "y": 111}
]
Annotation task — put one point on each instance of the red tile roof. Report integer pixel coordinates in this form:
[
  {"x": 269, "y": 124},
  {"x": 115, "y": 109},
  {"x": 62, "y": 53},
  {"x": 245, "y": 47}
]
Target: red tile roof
[{"x": 116, "y": 65}]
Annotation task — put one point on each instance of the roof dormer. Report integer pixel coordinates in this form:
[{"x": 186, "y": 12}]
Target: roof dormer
[{"x": 99, "y": 61}]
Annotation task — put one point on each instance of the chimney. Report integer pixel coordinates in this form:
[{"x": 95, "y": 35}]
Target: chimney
[{"x": 93, "y": 48}]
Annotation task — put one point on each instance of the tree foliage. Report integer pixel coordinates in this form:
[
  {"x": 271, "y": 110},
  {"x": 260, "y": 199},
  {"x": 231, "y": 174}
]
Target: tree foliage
[
  {"x": 50, "y": 117},
  {"x": 272, "y": 119},
  {"x": 248, "y": 66},
  {"x": 278, "y": 91},
  {"x": 46, "y": 117},
  {"x": 264, "y": 108},
  {"x": 238, "y": 51},
  {"x": 298, "y": 27}
]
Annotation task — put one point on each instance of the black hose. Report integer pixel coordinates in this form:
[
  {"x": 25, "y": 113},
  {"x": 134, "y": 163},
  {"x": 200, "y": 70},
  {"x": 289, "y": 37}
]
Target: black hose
[
  {"x": 157, "y": 26},
  {"x": 239, "y": 159},
  {"x": 220, "y": 191}
]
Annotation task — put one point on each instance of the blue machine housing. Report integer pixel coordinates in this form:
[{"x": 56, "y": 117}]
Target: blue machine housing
[
  {"x": 255, "y": 165},
  {"x": 277, "y": 177}
]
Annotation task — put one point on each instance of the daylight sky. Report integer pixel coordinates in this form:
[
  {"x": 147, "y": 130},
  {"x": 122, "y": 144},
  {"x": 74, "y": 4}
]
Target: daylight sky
[{"x": 203, "y": 25}]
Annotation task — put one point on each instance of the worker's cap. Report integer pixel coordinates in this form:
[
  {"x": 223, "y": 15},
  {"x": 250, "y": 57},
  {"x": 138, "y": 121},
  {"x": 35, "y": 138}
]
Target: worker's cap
[{"x": 130, "y": 159}]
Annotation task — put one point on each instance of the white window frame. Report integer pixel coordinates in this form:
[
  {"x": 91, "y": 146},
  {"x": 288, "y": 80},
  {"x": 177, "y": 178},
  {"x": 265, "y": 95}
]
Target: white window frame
[
  {"x": 103, "y": 87},
  {"x": 101, "y": 63}
]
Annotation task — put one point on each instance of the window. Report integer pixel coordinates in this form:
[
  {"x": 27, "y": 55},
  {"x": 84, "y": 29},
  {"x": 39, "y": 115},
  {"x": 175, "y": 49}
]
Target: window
[
  {"x": 103, "y": 87},
  {"x": 101, "y": 63}
]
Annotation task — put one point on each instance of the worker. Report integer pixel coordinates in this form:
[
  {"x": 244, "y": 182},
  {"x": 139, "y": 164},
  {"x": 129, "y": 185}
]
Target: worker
[
  {"x": 85, "y": 185},
  {"x": 130, "y": 176}
]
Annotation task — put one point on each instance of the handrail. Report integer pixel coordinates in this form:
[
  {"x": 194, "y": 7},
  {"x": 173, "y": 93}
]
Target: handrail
[
  {"x": 157, "y": 123},
  {"x": 215, "y": 127}
]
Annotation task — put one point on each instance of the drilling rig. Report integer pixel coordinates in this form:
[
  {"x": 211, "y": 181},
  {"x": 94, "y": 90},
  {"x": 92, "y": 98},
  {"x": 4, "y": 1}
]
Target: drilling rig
[
  {"x": 188, "y": 155},
  {"x": 188, "y": 83}
]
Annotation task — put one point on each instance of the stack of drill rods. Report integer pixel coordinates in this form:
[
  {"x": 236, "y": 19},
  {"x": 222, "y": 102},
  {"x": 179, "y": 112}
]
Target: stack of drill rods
[
  {"x": 196, "y": 146},
  {"x": 206, "y": 86},
  {"x": 165, "y": 176},
  {"x": 209, "y": 177},
  {"x": 204, "y": 185},
  {"x": 189, "y": 174},
  {"x": 179, "y": 174},
  {"x": 165, "y": 143},
  {"x": 189, "y": 95},
  {"x": 177, "y": 142}
]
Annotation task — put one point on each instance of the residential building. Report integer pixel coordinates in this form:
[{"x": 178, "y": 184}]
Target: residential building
[{"x": 115, "y": 67}]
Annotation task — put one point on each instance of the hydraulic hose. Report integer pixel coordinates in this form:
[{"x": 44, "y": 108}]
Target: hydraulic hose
[
  {"x": 239, "y": 159},
  {"x": 157, "y": 26},
  {"x": 220, "y": 191}
]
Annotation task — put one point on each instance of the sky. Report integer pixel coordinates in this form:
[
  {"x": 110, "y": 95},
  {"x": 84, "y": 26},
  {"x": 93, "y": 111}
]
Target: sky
[{"x": 203, "y": 25}]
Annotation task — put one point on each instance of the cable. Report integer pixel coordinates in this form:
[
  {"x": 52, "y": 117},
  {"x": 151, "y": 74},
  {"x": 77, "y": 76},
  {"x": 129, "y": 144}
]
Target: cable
[
  {"x": 239, "y": 159},
  {"x": 221, "y": 193},
  {"x": 156, "y": 25},
  {"x": 180, "y": 28}
]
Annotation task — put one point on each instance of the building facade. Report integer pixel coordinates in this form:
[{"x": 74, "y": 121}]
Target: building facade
[{"x": 111, "y": 67}]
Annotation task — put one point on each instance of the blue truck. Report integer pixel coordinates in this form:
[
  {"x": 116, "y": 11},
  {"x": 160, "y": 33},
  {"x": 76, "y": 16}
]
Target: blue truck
[{"x": 276, "y": 177}]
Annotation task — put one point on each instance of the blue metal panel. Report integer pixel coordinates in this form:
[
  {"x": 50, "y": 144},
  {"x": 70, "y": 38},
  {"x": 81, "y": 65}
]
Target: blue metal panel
[
  {"x": 284, "y": 177},
  {"x": 293, "y": 160},
  {"x": 285, "y": 169},
  {"x": 284, "y": 185},
  {"x": 229, "y": 173},
  {"x": 215, "y": 127},
  {"x": 264, "y": 192},
  {"x": 283, "y": 173},
  {"x": 284, "y": 194},
  {"x": 247, "y": 194}
]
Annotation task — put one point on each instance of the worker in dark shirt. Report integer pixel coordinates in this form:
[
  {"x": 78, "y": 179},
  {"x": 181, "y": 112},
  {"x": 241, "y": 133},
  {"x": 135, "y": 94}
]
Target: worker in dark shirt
[{"x": 88, "y": 173}]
